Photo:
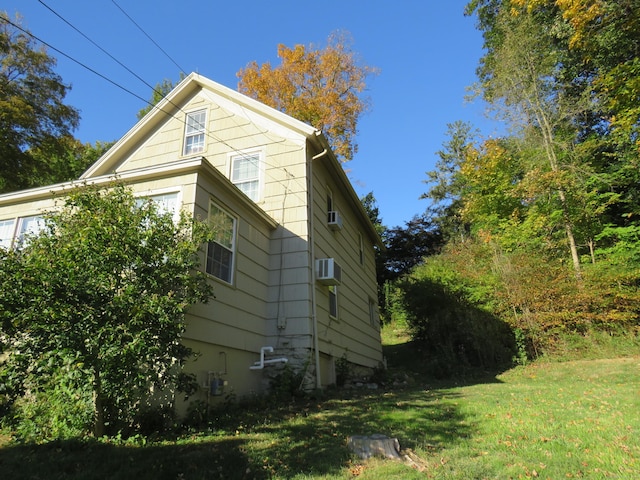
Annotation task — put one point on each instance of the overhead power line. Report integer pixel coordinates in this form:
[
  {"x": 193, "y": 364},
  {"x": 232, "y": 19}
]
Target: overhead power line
[
  {"x": 104, "y": 77},
  {"x": 98, "y": 46},
  {"x": 149, "y": 37}
]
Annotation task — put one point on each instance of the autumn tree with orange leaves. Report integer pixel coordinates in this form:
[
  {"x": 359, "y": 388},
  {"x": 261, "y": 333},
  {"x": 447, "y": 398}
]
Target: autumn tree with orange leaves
[{"x": 322, "y": 87}]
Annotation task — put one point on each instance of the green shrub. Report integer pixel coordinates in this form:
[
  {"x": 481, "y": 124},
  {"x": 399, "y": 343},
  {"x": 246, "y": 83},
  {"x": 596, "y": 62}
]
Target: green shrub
[
  {"x": 287, "y": 383},
  {"x": 453, "y": 331},
  {"x": 59, "y": 406},
  {"x": 343, "y": 370}
]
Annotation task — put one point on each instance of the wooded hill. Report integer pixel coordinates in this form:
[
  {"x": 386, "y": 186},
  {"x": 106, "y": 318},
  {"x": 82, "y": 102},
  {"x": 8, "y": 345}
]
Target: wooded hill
[{"x": 541, "y": 226}]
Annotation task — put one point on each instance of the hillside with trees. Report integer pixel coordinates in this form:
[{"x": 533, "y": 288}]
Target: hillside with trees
[{"x": 541, "y": 226}]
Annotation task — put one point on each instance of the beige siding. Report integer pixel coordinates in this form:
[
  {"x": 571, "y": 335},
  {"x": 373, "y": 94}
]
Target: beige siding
[
  {"x": 26, "y": 209},
  {"x": 352, "y": 332},
  {"x": 243, "y": 303},
  {"x": 270, "y": 299},
  {"x": 221, "y": 361}
]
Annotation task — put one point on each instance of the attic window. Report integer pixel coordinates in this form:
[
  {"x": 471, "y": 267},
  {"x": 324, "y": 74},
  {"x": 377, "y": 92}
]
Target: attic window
[{"x": 194, "y": 132}]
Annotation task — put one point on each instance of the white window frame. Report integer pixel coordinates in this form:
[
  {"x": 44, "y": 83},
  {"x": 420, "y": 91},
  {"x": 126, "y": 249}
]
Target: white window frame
[
  {"x": 253, "y": 194},
  {"x": 26, "y": 227},
  {"x": 333, "y": 301},
  {"x": 216, "y": 266},
  {"x": 158, "y": 196},
  {"x": 194, "y": 132},
  {"x": 373, "y": 312},
  {"x": 7, "y": 232}
]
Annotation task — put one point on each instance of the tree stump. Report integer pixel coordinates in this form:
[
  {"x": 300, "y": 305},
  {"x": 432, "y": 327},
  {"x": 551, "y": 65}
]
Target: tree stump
[{"x": 374, "y": 445}]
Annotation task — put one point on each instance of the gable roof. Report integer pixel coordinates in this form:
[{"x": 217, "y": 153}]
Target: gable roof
[{"x": 169, "y": 106}]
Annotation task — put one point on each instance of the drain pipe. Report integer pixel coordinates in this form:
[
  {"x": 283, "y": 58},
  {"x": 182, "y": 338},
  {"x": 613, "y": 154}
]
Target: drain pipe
[{"x": 314, "y": 317}]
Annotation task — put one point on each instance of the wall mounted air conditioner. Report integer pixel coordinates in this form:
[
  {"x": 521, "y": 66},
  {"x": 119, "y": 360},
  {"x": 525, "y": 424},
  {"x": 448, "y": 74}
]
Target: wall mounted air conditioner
[
  {"x": 334, "y": 220},
  {"x": 328, "y": 272}
]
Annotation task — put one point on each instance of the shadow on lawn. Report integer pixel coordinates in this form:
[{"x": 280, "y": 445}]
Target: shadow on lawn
[
  {"x": 303, "y": 437},
  {"x": 316, "y": 443},
  {"x": 92, "y": 460},
  {"x": 410, "y": 358},
  {"x": 310, "y": 438}
]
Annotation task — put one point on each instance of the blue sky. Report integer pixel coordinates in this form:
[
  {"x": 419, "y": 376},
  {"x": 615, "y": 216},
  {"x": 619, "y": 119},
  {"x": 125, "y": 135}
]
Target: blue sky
[{"x": 427, "y": 52}]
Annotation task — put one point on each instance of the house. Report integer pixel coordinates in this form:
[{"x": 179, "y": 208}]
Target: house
[{"x": 293, "y": 265}]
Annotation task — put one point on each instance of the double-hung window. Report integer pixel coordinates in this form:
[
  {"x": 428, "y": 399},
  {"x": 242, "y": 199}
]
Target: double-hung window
[
  {"x": 221, "y": 249},
  {"x": 373, "y": 313},
  {"x": 165, "y": 203},
  {"x": 7, "y": 229},
  {"x": 333, "y": 301},
  {"x": 245, "y": 174},
  {"x": 29, "y": 226},
  {"x": 194, "y": 133}
]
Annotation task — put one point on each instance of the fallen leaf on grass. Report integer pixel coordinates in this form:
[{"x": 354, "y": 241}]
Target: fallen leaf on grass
[{"x": 357, "y": 470}]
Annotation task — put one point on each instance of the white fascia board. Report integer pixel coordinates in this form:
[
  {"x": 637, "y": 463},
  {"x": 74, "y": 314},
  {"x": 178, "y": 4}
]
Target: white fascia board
[
  {"x": 128, "y": 177},
  {"x": 245, "y": 104}
]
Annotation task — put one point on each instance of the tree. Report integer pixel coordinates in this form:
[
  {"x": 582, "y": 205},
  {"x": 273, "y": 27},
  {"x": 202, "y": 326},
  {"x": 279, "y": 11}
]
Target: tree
[
  {"x": 519, "y": 78},
  {"x": 69, "y": 161},
  {"x": 32, "y": 112},
  {"x": 107, "y": 284},
  {"x": 159, "y": 92},
  {"x": 445, "y": 182},
  {"x": 323, "y": 88},
  {"x": 597, "y": 44},
  {"x": 370, "y": 205},
  {"x": 408, "y": 246}
]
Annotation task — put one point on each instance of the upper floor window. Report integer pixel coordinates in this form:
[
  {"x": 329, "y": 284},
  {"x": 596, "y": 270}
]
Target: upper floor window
[
  {"x": 7, "y": 230},
  {"x": 245, "y": 174},
  {"x": 194, "y": 132},
  {"x": 221, "y": 249},
  {"x": 28, "y": 226},
  {"x": 165, "y": 203}
]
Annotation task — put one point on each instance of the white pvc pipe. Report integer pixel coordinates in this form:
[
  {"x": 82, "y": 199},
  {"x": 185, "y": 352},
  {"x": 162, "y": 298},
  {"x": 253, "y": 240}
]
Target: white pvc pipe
[{"x": 260, "y": 365}]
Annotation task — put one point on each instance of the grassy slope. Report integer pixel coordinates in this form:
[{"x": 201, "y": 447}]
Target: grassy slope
[{"x": 562, "y": 420}]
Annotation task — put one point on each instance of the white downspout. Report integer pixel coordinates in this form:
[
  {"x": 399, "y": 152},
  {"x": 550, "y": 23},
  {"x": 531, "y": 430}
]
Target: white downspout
[{"x": 314, "y": 318}]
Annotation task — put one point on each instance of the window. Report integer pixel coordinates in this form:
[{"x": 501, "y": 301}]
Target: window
[
  {"x": 361, "y": 249},
  {"x": 194, "y": 132},
  {"x": 245, "y": 174},
  {"x": 29, "y": 226},
  {"x": 373, "y": 317},
  {"x": 166, "y": 203},
  {"x": 333, "y": 301},
  {"x": 7, "y": 229},
  {"x": 220, "y": 251},
  {"x": 329, "y": 201}
]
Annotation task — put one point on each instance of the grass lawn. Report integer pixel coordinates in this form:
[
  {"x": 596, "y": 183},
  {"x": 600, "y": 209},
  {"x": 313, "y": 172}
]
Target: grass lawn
[{"x": 547, "y": 420}]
